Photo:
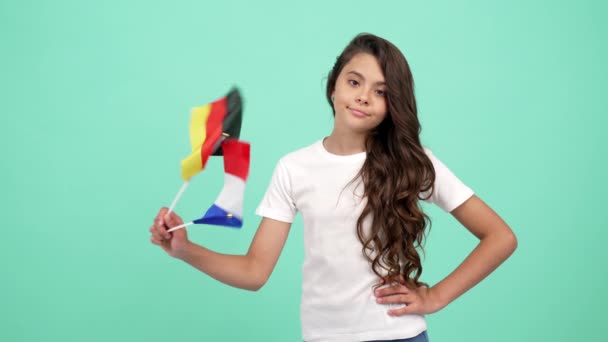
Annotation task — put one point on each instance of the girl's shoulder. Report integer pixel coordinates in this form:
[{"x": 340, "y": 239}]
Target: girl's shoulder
[{"x": 303, "y": 154}]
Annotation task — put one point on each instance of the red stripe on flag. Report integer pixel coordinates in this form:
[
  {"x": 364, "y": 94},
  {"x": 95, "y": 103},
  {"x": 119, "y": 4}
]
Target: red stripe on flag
[
  {"x": 213, "y": 128},
  {"x": 236, "y": 158}
]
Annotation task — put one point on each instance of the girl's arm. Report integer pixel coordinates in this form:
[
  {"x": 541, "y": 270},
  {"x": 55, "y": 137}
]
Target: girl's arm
[
  {"x": 250, "y": 271},
  {"x": 497, "y": 243}
]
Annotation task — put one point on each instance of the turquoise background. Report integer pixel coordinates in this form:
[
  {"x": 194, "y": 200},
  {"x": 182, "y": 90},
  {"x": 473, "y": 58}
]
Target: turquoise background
[{"x": 96, "y": 99}]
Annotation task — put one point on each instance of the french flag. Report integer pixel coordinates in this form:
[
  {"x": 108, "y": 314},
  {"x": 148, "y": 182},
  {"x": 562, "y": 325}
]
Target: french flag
[{"x": 227, "y": 210}]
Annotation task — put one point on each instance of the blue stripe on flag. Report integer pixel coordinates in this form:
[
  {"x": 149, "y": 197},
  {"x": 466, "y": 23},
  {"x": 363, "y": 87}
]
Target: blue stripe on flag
[{"x": 218, "y": 216}]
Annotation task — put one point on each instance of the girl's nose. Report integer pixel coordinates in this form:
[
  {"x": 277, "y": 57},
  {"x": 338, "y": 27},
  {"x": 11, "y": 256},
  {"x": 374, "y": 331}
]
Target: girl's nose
[{"x": 361, "y": 99}]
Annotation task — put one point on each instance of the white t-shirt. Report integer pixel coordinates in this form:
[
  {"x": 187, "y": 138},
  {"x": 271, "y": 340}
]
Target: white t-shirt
[{"x": 338, "y": 303}]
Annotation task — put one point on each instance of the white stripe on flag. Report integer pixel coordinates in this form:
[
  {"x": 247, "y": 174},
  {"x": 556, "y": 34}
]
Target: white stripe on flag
[{"x": 231, "y": 197}]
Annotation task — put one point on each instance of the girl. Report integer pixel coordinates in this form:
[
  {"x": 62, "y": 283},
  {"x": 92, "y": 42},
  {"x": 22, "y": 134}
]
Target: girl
[{"x": 358, "y": 191}]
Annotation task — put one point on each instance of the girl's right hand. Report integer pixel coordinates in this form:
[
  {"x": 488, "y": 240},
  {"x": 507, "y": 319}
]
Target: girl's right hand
[{"x": 174, "y": 243}]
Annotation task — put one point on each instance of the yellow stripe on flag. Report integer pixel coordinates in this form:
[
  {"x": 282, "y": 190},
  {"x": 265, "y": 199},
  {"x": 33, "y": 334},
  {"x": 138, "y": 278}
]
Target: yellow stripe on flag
[
  {"x": 192, "y": 164},
  {"x": 198, "y": 127}
]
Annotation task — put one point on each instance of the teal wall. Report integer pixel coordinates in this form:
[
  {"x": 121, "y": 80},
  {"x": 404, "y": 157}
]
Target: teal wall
[{"x": 96, "y": 98}]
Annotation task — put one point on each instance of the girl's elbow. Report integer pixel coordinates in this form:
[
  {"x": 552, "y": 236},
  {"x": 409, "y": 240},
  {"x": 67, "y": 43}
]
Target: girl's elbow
[
  {"x": 257, "y": 286},
  {"x": 511, "y": 241},
  {"x": 258, "y": 282},
  {"x": 503, "y": 240},
  {"x": 253, "y": 287}
]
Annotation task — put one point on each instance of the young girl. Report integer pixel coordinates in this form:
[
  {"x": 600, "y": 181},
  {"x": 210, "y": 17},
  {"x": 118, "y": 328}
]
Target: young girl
[{"x": 358, "y": 191}]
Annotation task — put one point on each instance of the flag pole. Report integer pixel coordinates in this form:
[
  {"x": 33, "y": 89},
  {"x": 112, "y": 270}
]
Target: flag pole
[
  {"x": 179, "y": 194},
  {"x": 180, "y": 227}
]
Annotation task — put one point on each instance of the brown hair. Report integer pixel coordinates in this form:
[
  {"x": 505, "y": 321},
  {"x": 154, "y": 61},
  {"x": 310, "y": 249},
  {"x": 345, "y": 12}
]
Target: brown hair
[{"x": 396, "y": 171}]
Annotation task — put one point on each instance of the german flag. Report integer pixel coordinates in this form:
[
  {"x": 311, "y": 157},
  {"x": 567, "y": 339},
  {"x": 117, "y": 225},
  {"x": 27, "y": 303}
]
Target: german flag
[{"x": 210, "y": 125}]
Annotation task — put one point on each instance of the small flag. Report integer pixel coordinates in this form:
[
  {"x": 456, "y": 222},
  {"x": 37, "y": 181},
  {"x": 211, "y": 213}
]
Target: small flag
[
  {"x": 228, "y": 207},
  {"x": 214, "y": 130},
  {"x": 209, "y": 126}
]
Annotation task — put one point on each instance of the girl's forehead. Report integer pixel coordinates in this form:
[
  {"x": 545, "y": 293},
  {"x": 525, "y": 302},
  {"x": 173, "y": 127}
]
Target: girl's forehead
[{"x": 365, "y": 65}]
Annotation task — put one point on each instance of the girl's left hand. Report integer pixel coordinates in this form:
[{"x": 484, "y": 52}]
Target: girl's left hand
[{"x": 421, "y": 301}]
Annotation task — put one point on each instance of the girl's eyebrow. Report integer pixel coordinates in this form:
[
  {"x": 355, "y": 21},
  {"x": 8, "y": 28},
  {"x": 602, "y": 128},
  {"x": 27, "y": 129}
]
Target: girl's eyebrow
[{"x": 361, "y": 76}]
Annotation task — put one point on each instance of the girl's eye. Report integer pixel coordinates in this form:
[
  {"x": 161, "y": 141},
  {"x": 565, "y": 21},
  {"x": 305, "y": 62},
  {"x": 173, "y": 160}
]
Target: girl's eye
[
  {"x": 381, "y": 92},
  {"x": 353, "y": 82}
]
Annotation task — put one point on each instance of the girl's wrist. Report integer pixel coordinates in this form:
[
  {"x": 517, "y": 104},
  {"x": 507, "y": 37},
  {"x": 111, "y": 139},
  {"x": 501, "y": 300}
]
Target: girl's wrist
[
  {"x": 438, "y": 301},
  {"x": 183, "y": 252}
]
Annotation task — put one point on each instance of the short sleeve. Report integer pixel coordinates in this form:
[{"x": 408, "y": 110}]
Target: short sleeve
[
  {"x": 449, "y": 191},
  {"x": 278, "y": 202}
]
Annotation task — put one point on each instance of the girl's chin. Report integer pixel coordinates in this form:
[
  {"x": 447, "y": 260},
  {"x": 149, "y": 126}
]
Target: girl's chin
[{"x": 355, "y": 124}]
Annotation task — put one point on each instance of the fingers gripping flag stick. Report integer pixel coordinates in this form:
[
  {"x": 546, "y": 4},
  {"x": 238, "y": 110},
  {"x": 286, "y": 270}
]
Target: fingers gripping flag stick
[{"x": 228, "y": 207}]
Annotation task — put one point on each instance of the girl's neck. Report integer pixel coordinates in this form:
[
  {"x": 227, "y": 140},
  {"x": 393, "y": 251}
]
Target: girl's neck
[{"x": 344, "y": 143}]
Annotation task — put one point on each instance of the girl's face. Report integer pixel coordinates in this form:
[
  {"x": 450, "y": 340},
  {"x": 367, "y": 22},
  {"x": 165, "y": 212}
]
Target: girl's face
[{"x": 360, "y": 94}]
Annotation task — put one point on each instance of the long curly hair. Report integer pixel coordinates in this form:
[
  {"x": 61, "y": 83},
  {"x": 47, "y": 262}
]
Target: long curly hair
[{"x": 397, "y": 170}]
